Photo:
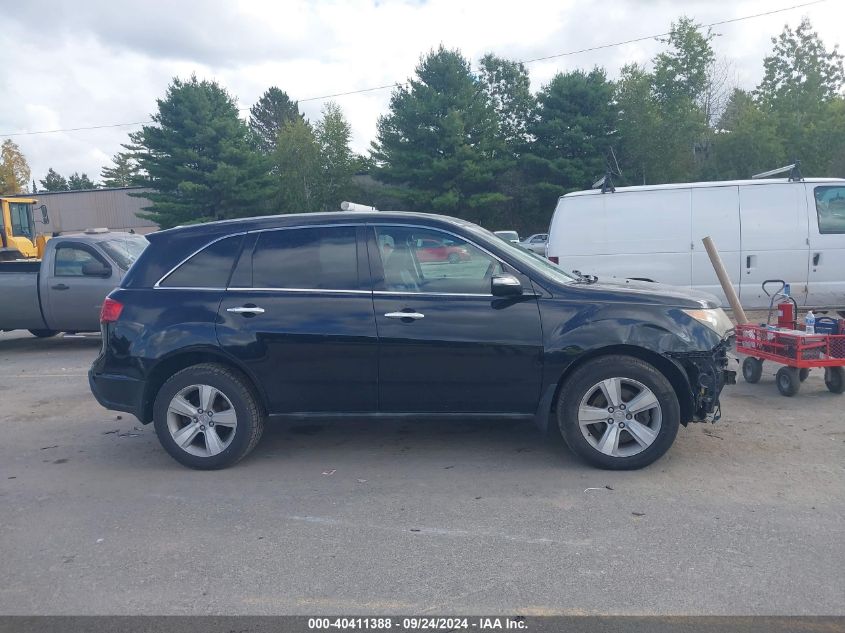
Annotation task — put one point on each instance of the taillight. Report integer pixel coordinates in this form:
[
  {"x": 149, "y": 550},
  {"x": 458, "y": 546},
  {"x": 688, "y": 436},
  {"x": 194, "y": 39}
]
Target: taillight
[
  {"x": 110, "y": 312},
  {"x": 554, "y": 259}
]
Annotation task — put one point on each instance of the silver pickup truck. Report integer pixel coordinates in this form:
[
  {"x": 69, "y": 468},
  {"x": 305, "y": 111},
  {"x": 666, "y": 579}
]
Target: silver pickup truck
[{"x": 65, "y": 290}]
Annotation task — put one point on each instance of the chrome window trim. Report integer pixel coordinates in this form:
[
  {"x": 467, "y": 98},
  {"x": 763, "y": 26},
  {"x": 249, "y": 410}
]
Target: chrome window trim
[
  {"x": 406, "y": 293},
  {"x": 157, "y": 285},
  {"x": 296, "y": 290}
]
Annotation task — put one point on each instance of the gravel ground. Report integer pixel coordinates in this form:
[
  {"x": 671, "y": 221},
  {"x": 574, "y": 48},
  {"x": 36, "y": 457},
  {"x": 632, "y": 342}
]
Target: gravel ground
[{"x": 361, "y": 517}]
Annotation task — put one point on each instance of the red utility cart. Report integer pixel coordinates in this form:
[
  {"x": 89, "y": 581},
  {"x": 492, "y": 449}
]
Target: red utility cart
[{"x": 798, "y": 351}]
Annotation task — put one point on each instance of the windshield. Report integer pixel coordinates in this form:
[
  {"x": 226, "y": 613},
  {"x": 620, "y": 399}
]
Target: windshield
[
  {"x": 527, "y": 257},
  {"x": 125, "y": 250}
]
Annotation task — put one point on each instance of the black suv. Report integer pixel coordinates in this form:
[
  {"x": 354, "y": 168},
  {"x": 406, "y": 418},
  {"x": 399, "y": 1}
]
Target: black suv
[{"x": 219, "y": 326}]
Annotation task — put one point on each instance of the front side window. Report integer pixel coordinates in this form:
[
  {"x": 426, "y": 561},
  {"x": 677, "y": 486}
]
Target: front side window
[
  {"x": 320, "y": 258},
  {"x": 71, "y": 260},
  {"x": 210, "y": 268},
  {"x": 21, "y": 226},
  {"x": 830, "y": 207},
  {"x": 428, "y": 261}
]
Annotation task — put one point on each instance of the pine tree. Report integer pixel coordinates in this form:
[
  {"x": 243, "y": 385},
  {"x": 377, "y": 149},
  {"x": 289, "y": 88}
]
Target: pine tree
[
  {"x": 269, "y": 115},
  {"x": 438, "y": 145},
  {"x": 124, "y": 171},
  {"x": 78, "y": 182},
  {"x": 198, "y": 157},
  {"x": 54, "y": 181}
]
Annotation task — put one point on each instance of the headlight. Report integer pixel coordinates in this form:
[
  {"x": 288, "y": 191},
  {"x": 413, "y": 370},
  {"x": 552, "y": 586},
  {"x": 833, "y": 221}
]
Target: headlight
[{"x": 714, "y": 318}]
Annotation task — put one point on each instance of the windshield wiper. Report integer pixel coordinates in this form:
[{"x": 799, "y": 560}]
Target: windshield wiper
[{"x": 587, "y": 279}]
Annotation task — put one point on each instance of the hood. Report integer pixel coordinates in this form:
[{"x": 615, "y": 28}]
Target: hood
[{"x": 648, "y": 292}]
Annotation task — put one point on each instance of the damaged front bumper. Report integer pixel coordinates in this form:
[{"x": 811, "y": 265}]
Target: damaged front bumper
[{"x": 707, "y": 373}]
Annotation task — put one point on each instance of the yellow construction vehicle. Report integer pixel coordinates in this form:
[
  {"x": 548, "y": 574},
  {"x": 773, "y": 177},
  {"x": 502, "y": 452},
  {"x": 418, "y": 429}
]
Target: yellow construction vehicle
[{"x": 18, "y": 237}]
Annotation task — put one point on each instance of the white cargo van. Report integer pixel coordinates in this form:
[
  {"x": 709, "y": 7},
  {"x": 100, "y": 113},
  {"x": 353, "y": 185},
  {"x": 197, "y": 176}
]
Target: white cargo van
[{"x": 764, "y": 229}]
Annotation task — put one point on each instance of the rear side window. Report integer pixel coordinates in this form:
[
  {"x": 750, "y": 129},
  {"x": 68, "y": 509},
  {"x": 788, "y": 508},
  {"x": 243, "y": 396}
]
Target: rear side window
[
  {"x": 830, "y": 206},
  {"x": 311, "y": 258},
  {"x": 210, "y": 268}
]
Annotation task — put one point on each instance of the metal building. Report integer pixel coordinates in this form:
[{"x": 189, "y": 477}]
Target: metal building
[{"x": 72, "y": 211}]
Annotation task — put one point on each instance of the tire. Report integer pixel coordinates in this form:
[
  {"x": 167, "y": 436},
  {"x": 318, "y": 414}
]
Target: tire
[
  {"x": 788, "y": 381},
  {"x": 43, "y": 333},
  {"x": 613, "y": 446},
  {"x": 202, "y": 444},
  {"x": 454, "y": 258},
  {"x": 834, "y": 379},
  {"x": 752, "y": 369},
  {"x": 803, "y": 373}
]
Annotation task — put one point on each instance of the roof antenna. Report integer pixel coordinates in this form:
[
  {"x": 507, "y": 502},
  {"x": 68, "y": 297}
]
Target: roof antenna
[{"x": 794, "y": 172}]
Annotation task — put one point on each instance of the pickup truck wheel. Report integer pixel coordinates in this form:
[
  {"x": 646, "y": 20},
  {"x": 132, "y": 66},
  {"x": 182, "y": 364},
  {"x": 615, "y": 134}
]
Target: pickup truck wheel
[
  {"x": 618, "y": 413},
  {"x": 43, "y": 333},
  {"x": 207, "y": 417}
]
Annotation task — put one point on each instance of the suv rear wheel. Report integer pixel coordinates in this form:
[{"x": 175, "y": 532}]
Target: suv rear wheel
[
  {"x": 207, "y": 417},
  {"x": 618, "y": 413}
]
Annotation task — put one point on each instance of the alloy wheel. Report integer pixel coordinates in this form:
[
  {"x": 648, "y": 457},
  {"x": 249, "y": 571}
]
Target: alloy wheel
[
  {"x": 620, "y": 417},
  {"x": 201, "y": 420}
]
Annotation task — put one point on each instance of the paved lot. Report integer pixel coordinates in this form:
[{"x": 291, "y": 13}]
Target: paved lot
[{"x": 744, "y": 517}]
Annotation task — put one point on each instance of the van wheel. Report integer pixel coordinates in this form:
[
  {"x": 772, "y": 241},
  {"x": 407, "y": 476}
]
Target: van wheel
[
  {"x": 618, "y": 413},
  {"x": 43, "y": 333},
  {"x": 834, "y": 379},
  {"x": 752, "y": 369},
  {"x": 207, "y": 417}
]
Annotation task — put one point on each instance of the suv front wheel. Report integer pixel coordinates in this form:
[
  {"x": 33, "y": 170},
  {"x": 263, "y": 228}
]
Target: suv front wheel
[
  {"x": 618, "y": 413},
  {"x": 207, "y": 417}
]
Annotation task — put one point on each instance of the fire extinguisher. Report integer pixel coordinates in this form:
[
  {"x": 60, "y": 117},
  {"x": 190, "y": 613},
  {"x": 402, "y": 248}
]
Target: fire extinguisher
[{"x": 787, "y": 306}]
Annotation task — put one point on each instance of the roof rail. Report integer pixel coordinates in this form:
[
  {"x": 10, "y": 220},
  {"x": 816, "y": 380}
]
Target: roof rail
[{"x": 794, "y": 172}]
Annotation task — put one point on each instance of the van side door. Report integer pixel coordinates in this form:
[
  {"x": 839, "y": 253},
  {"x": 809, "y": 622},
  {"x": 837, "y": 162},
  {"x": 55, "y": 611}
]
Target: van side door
[
  {"x": 773, "y": 219},
  {"x": 826, "y": 283},
  {"x": 715, "y": 213}
]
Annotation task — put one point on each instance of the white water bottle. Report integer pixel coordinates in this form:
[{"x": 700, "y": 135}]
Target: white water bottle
[{"x": 810, "y": 323}]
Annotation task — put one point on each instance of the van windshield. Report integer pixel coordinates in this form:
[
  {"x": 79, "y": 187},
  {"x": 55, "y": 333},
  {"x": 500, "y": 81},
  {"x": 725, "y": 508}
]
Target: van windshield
[{"x": 527, "y": 257}]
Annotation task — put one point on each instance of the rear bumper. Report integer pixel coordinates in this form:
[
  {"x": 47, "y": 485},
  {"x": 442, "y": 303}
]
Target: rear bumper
[{"x": 118, "y": 393}]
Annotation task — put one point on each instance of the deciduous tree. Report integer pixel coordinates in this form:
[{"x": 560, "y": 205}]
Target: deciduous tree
[{"x": 14, "y": 170}]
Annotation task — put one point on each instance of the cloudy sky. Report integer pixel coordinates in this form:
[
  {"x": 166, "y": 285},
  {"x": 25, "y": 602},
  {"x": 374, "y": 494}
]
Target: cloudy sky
[{"x": 102, "y": 62}]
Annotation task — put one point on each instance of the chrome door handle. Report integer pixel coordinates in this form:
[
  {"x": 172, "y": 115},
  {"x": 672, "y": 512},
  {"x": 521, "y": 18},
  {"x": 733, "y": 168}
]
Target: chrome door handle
[
  {"x": 404, "y": 315},
  {"x": 246, "y": 310}
]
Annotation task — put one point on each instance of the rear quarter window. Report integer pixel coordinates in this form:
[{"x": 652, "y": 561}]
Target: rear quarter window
[{"x": 209, "y": 268}]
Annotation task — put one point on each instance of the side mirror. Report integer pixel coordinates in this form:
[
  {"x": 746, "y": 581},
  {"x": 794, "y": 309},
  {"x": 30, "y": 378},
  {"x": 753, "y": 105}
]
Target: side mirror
[
  {"x": 505, "y": 286},
  {"x": 96, "y": 269},
  {"x": 45, "y": 219}
]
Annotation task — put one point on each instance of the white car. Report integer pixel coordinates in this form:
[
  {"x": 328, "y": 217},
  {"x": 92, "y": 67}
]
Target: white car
[
  {"x": 764, "y": 229},
  {"x": 536, "y": 243}
]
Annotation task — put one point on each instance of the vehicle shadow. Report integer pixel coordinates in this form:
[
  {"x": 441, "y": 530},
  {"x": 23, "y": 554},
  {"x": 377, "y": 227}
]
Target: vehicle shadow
[
  {"x": 32, "y": 344},
  {"x": 500, "y": 441}
]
